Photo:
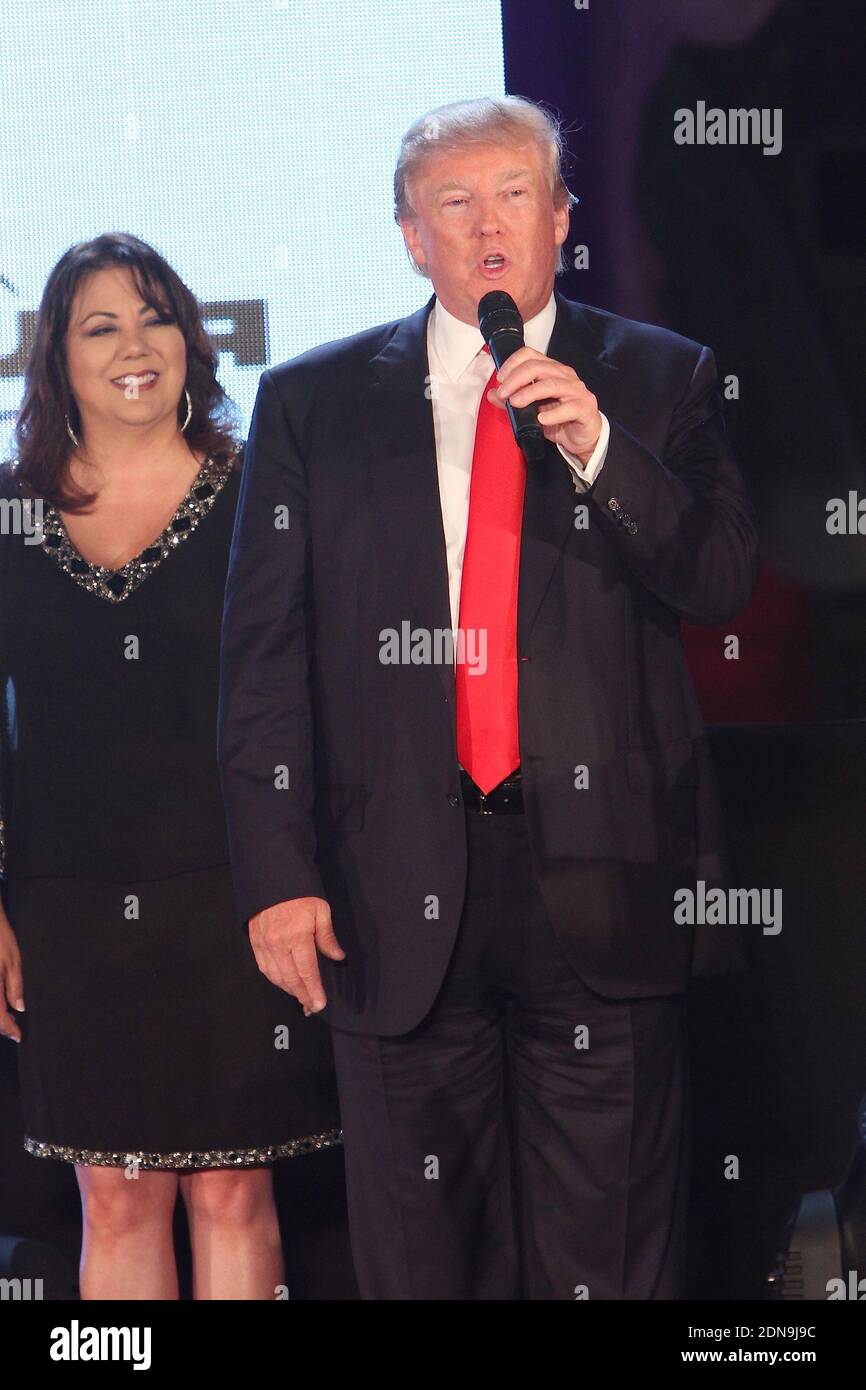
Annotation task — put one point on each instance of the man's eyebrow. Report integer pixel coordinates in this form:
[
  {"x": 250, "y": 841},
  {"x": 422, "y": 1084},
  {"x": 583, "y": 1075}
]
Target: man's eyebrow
[
  {"x": 445, "y": 187},
  {"x": 511, "y": 174}
]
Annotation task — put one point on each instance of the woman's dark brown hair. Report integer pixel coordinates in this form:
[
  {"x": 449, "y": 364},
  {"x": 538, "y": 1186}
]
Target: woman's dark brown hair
[{"x": 43, "y": 445}]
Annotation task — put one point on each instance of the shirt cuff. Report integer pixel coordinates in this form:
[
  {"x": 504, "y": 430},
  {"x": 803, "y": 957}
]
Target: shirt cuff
[{"x": 586, "y": 474}]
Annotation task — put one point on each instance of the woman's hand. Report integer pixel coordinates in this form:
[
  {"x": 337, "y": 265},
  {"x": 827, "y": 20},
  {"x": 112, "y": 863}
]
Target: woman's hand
[{"x": 11, "y": 980}]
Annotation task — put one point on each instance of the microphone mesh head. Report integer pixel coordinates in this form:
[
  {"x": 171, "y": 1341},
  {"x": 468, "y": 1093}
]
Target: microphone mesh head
[{"x": 498, "y": 313}]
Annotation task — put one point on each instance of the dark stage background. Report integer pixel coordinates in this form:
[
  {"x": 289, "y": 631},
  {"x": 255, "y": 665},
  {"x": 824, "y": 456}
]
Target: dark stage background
[{"x": 762, "y": 258}]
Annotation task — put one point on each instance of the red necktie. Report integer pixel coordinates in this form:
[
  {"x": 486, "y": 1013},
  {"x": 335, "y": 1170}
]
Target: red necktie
[{"x": 487, "y": 732}]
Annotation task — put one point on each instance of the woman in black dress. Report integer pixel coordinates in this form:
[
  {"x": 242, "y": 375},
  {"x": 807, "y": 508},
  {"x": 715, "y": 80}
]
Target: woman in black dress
[{"x": 153, "y": 1055}]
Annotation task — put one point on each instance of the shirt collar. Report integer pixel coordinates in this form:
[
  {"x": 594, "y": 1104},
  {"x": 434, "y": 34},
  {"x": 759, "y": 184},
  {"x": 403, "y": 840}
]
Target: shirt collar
[{"x": 458, "y": 343}]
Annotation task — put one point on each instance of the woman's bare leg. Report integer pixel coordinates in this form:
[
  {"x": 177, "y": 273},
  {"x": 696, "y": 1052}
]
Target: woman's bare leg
[
  {"x": 234, "y": 1233},
  {"x": 127, "y": 1250}
]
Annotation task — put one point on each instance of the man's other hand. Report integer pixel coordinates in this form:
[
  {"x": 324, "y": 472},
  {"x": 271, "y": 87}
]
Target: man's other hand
[{"x": 284, "y": 939}]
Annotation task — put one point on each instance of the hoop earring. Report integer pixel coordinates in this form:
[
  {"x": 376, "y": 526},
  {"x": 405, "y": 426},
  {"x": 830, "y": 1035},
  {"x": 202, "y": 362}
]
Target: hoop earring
[
  {"x": 71, "y": 433},
  {"x": 188, "y": 410}
]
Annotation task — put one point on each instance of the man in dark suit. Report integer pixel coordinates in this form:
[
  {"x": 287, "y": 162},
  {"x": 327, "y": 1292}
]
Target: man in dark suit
[{"x": 466, "y": 856}]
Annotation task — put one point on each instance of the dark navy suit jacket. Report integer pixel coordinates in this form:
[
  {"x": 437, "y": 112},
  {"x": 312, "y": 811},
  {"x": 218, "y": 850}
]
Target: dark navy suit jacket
[{"x": 340, "y": 772}]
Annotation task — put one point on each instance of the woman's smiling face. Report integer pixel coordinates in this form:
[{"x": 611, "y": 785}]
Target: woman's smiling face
[{"x": 126, "y": 363}]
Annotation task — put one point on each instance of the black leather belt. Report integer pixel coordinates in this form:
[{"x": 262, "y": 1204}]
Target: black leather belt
[{"x": 504, "y": 800}]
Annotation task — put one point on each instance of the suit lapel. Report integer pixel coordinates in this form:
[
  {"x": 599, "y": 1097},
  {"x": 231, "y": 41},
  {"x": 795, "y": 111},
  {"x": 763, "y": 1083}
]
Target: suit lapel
[
  {"x": 396, "y": 419},
  {"x": 548, "y": 509}
]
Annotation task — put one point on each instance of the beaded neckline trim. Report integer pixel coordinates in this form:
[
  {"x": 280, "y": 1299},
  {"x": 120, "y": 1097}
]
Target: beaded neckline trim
[
  {"x": 204, "y": 1158},
  {"x": 116, "y": 585}
]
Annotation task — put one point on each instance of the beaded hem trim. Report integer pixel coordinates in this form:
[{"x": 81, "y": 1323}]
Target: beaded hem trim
[
  {"x": 204, "y": 1158},
  {"x": 116, "y": 585}
]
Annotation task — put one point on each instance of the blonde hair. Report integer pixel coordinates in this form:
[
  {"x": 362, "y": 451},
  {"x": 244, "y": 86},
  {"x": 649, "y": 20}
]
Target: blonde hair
[{"x": 480, "y": 122}]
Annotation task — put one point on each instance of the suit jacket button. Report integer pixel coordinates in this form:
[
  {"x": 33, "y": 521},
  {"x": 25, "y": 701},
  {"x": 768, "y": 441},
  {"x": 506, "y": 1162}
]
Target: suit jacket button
[{"x": 453, "y": 799}]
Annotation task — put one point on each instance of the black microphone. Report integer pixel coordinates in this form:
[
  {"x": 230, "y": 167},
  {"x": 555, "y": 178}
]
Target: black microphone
[{"x": 502, "y": 330}]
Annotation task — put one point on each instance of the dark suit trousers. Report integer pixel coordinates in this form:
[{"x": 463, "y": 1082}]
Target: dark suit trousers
[{"x": 528, "y": 1140}]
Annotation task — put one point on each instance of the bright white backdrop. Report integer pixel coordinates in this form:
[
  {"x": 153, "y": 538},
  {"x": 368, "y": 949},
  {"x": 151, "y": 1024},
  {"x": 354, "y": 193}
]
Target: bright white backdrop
[{"x": 251, "y": 141}]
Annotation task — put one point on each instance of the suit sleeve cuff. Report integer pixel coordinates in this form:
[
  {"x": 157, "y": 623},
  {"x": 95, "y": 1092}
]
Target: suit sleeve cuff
[{"x": 290, "y": 880}]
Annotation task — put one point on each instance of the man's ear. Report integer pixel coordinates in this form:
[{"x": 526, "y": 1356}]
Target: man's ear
[
  {"x": 561, "y": 221},
  {"x": 412, "y": 239}
]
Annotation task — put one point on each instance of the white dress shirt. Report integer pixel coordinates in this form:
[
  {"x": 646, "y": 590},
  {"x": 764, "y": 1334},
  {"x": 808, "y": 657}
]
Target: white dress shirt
[{"x": 459, "y": 371}]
